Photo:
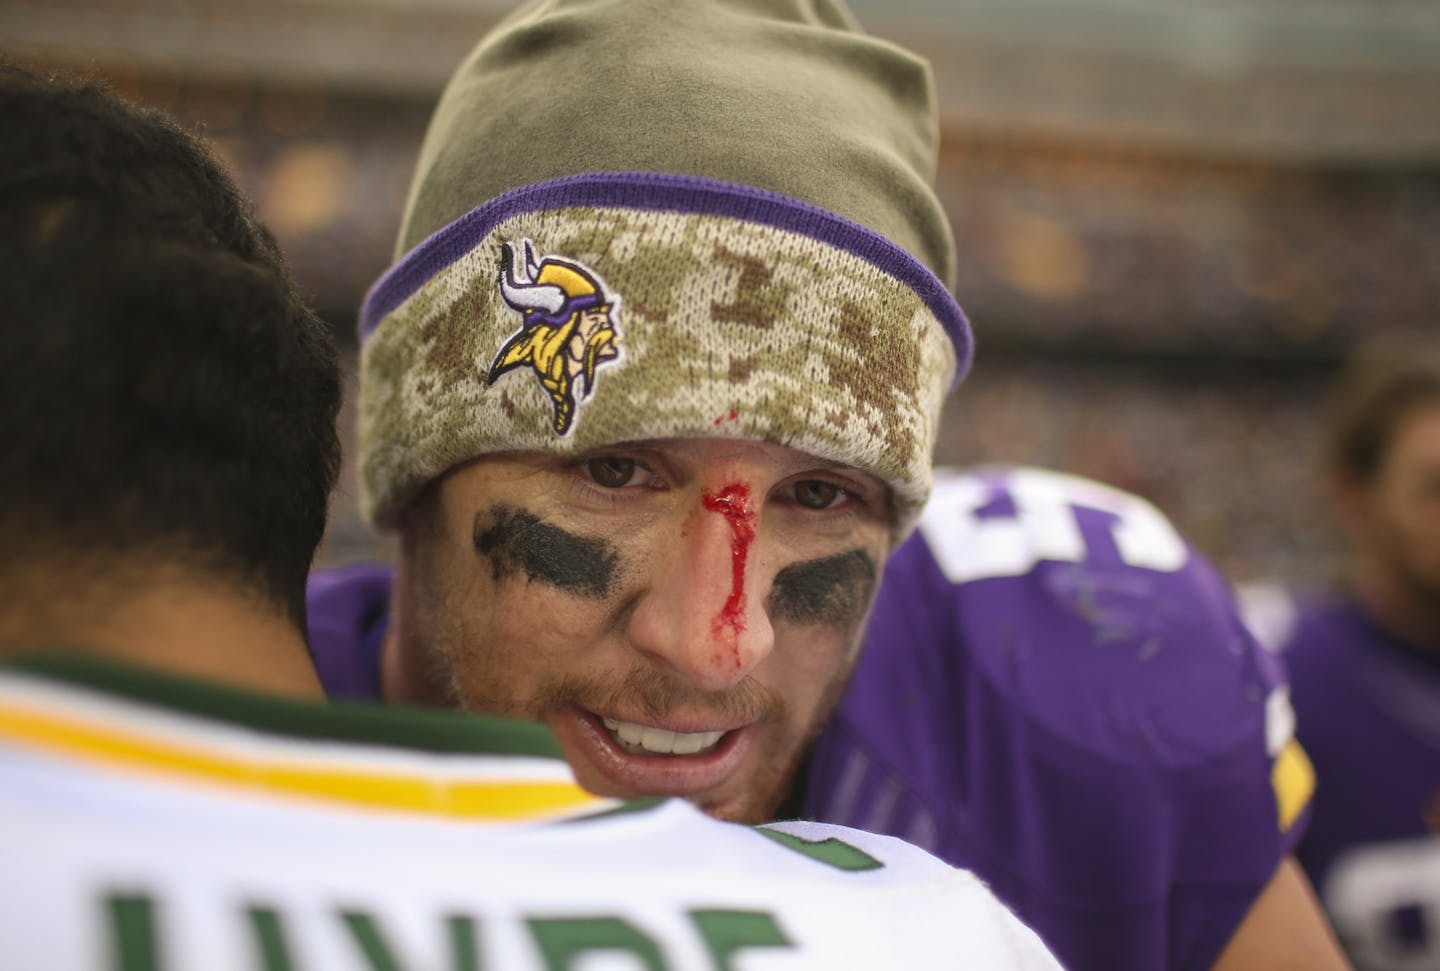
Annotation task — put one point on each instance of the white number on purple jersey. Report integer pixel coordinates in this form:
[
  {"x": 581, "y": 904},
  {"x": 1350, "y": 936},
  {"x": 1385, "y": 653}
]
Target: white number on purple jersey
[
  {"x": 1043, "y": 526},
  {"x": 1385, "y": 901}
]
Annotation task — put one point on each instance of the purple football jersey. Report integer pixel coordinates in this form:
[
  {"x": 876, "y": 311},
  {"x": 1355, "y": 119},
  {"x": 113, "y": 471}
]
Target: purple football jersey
[
  {"x": 1055, "y": 693},
  {"x": 347, "y": 611},
  {"x": 1058, "y": 694},
  {"x": 1368, "y": 710}
]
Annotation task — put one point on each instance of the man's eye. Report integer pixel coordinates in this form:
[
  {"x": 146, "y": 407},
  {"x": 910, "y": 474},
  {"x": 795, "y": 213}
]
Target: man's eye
[
  {"x": 817, "y": 493},
  {"x": 612, "y": 473}
]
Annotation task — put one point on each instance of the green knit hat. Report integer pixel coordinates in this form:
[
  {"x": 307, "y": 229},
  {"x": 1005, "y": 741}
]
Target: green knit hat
[{"x": 654, "y": 219}]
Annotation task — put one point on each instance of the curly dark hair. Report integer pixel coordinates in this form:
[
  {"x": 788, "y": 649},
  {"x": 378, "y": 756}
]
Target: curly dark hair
[{"x": 163, "y": 386}]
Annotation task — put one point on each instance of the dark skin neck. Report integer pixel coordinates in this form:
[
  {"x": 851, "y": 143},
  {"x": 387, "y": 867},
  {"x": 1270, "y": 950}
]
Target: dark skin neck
[{"x": 170, "y": 621}]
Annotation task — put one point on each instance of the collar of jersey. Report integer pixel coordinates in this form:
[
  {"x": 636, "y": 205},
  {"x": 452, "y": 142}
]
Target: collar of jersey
[
  {"x": 422, "y": 729},
  {"x": 362, "y": 758}
]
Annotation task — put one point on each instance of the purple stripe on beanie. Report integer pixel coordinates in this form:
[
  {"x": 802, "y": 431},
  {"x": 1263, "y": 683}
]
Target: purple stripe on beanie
[{"x": 672, "y": 193}]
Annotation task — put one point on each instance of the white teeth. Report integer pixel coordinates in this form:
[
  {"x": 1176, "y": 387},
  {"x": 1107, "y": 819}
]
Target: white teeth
[{"x": 660, "y": 741}]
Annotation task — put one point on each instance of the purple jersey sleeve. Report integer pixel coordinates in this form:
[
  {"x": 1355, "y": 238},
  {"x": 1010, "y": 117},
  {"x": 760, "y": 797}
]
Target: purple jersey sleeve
[
  {"x": 1368, "y": 712},
  {"x": 1057, "y": 693},
  {"x": 347, "y": 612}
]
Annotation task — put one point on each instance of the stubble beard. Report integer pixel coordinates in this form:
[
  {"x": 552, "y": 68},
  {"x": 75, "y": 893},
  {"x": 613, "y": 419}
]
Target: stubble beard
[
  {"x": 1409, "y": 576},
  {"x": 442, "y": 674},
  {"x": 1423, "y": 593},
  {"x": 652, "y": 693}
]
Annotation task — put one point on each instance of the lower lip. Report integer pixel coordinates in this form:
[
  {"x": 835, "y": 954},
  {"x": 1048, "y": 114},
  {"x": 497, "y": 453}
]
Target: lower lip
[{"x": 635, "y": 774}]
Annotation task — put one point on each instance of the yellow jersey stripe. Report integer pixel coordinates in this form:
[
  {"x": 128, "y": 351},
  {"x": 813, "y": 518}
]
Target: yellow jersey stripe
[
  {"x": 1293, "y": 778},
  {"x": 476, "y": 799}
]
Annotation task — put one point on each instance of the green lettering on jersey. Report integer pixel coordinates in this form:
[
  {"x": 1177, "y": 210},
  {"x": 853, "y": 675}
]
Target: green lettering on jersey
[
  {"x": 835, "y": 852},
  {"x": 728, "y": 931},
  {"x": 131, "y": 920},
  {"x": 269, "y": 934},
  {"x": 464, "y": 953},
  {"x": 564, "y": 939}
]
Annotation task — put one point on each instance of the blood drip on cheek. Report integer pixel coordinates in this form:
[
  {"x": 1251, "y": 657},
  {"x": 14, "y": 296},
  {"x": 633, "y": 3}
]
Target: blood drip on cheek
[{"x": 733, "y": 502}]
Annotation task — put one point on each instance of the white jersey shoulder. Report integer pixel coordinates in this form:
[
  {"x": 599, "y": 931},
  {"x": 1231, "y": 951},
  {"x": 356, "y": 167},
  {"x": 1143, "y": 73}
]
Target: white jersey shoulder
[
  {"x": 1270, "y": 611},
  {"x": 992, "y": 522},
  {"x": 158, "y": 853}
]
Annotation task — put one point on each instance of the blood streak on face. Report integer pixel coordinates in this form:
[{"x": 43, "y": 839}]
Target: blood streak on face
[{"x": 733, "y": 502}]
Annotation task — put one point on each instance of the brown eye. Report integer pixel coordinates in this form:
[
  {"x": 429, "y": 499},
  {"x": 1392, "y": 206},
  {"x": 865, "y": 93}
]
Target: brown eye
[
  {"x": 612, "y": 473},
  {"x": 817, "y": 493}
]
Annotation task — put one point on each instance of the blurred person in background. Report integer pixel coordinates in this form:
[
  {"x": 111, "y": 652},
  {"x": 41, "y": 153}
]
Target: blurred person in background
[
  {"x": 650, "y": 396},
  {"x": 173, "y": 793},
  {"x": 1364, "y": 663}
]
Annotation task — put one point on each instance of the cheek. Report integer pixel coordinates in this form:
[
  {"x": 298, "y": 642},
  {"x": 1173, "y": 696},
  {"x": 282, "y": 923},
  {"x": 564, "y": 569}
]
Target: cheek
[
  {"x": 811, "y": 666},
  {"x": 498, "y": 620},
  {"x": 1426, "y": 518},
  {"x": 517, "y": 643},
  {"x": 818, "y": 609},
  {"x": 536, "y": 624},
  {"x": 821, "y": 653},
  {"x": 1423, "y": 543},
  {"x": 1410, "y": 524}
]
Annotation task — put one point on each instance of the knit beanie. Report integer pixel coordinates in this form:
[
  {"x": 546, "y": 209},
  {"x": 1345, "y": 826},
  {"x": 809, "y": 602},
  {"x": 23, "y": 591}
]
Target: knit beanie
[{"x": 647, "y": 219}]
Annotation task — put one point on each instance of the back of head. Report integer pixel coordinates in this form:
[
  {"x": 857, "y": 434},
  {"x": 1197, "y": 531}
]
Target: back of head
[{"x": 167, "y": 398}]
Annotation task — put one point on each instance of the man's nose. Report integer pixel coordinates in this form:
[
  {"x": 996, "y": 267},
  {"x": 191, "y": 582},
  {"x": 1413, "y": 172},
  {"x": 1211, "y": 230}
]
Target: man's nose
[{"x": 702, "y": 613}]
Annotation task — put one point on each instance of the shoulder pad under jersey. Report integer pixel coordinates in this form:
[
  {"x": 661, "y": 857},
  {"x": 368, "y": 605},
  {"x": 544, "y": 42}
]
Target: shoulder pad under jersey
[
  {"x": 1084, "y": 606},
  {"x": 1056, "y": 691}
]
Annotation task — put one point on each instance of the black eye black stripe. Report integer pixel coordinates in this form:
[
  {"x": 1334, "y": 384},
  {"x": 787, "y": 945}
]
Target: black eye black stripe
[
  {"x": 834, "y": 590},
  {"x": 518, "y": 542}
]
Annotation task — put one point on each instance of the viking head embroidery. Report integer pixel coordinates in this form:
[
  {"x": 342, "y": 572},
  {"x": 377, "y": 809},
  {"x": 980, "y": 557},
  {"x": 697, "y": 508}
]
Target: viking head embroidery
[{"x": 568, "y": 327}]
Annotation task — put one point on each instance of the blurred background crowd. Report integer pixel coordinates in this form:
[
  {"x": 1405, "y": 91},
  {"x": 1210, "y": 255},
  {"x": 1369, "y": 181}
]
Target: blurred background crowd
[{"x": 1174, "y": 219}]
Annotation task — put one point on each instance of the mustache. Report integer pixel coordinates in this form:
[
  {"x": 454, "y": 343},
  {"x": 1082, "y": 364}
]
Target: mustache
[{"x": 654, "y": 693}]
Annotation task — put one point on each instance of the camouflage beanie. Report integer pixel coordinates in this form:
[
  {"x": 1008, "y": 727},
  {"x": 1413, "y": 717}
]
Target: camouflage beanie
[{"x": 656, "y": 219}]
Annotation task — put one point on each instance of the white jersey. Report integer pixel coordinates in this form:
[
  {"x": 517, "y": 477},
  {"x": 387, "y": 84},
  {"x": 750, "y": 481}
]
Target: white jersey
[{"x": 150, "y": 824}]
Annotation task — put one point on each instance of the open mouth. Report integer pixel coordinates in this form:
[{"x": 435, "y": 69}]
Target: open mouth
[
  {"x": 698, "y": 756},
  {"x": 649, "y": 740}
]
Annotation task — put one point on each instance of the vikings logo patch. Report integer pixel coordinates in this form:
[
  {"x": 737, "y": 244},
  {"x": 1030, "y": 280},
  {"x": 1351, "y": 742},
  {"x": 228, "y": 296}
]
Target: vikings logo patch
[{"x": 568, "y": 328}]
